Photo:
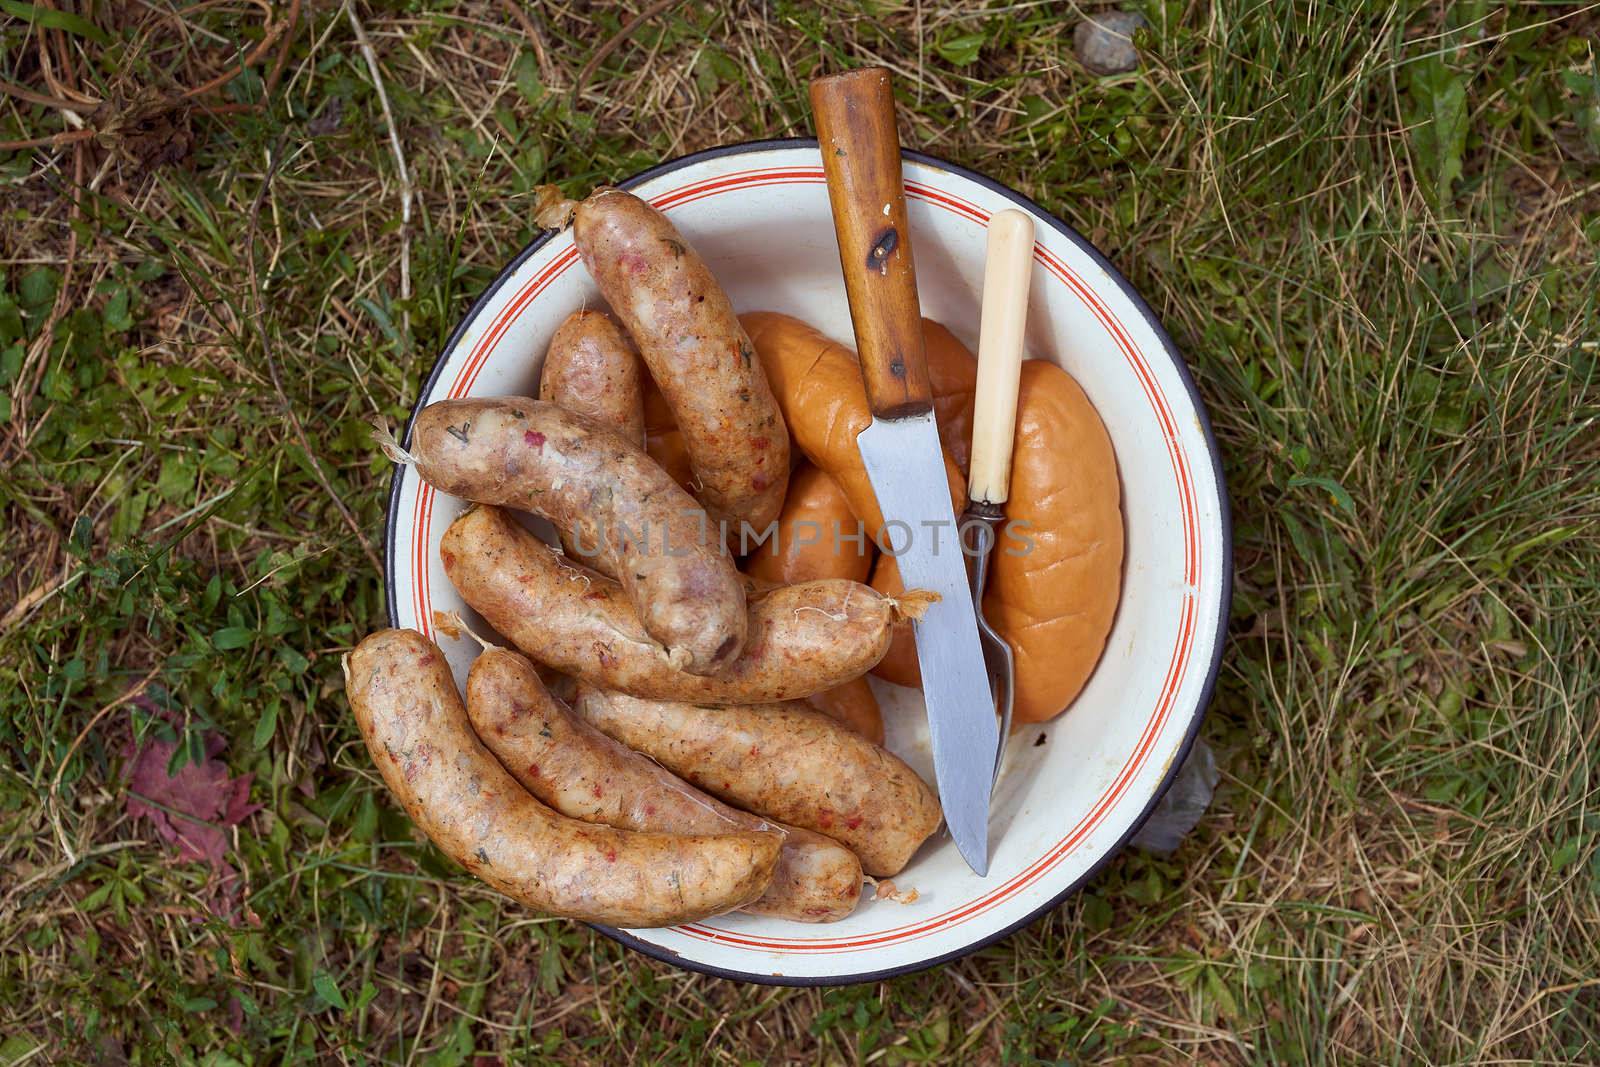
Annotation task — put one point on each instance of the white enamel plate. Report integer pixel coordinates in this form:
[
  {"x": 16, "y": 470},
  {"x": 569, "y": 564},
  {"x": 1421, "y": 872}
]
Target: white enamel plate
[{"x": 1074, "y": 789}]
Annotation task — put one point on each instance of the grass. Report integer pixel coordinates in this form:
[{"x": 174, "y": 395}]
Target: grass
[{"x": 1371, "y": 228}]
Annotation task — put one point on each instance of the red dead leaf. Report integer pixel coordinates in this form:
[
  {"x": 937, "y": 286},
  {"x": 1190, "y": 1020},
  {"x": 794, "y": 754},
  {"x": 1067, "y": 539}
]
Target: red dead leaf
[{"x": 190, "y": 810}]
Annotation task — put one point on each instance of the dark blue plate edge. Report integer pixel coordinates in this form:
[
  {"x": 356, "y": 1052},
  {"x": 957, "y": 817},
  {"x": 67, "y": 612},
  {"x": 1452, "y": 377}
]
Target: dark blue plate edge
[{"x": 1226, "y": 600}]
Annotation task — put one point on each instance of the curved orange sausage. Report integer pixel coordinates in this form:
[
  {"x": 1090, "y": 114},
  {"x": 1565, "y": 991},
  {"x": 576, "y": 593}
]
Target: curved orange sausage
[
  {"x": 818, "y": 536},
  {"x": 1054, "y": 604},
  {"x": 818, "y": 385},
  {"x": 953, "y": 374}
]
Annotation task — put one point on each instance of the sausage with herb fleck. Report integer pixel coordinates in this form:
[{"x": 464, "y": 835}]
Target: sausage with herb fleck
[
  {"x": 819, "y": 537},
  {"x": 592, "y": 369},
  {"x": 696, "y": 350},
  {"x": 784, "y": 761},
  {"x": 802, "y": 638},
  {"x": 610, "y": 497},
  {"x": 582, "y": 773},
  {"x": 410, "y": 714}
]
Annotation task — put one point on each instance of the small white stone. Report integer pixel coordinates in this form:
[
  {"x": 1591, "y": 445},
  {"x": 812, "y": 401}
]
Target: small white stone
[{"x": 1104, "y": 41}]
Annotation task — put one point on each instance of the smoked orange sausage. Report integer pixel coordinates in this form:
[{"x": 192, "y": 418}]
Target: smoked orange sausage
[
  {"x": 1056, "y": 573},
  {"x": 818, "y": 385},
  {"x": 1054, "y": 599},
  {"x": 817, "y": 535},
  {"x": 953, "y": 375}
]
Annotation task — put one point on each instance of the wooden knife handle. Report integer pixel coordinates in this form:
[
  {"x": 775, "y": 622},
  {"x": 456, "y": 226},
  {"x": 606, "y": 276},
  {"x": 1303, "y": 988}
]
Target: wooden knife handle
[{"x": 861, "y": 157}]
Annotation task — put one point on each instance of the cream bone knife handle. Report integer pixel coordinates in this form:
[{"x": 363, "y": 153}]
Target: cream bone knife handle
[{"x": 1006, "y": 276}]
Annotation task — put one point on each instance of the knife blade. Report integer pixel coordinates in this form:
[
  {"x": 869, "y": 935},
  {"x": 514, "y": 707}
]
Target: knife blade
[
  {"x": 906, "y": 466},
  {"x": 900, "y": 449}
]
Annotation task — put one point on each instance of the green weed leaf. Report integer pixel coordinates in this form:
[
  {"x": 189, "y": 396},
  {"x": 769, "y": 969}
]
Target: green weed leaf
[
  {"x": 1333, "y": 489},
  {"x": 117, "y": 317},
  {"x": 326, "y": 988},
  {"x": 17, "y": 1047},
  {"x": 526, "y": 73},
  {"x": 1438, "y": 126},
  {"x": 37, "y": 289},
  {"x": 232, "y": 637},
  {"x": 10, "y": 363},
  {"x": 1566, "y": 854},
  {"x": 11, "y": 329},
  {"x": 51, "y": 19},
  {"x": 266, "y": 726},
  {"x": 963, "y": 49},
  {"x": 456, "y": 1051},
  {"x": 177, "y": 477}
]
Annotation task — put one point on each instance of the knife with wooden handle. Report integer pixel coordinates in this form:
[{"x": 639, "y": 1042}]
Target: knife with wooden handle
[{"x": 900, "y": 449}]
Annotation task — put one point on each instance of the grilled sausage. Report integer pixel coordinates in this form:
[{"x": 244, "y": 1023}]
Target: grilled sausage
[
  {"x": 696, "y": 350},
  {"x": 803, "y": 638},
  {"x": 784, "y": 761},
  {"x": 582, "y": 773},
  {"x": 409, "y": 712},
  {"x": 612, "y": 499}
]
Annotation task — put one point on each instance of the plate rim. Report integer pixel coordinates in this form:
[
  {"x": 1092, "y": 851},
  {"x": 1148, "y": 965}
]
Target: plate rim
[{"x": 1224, "y": 509}]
